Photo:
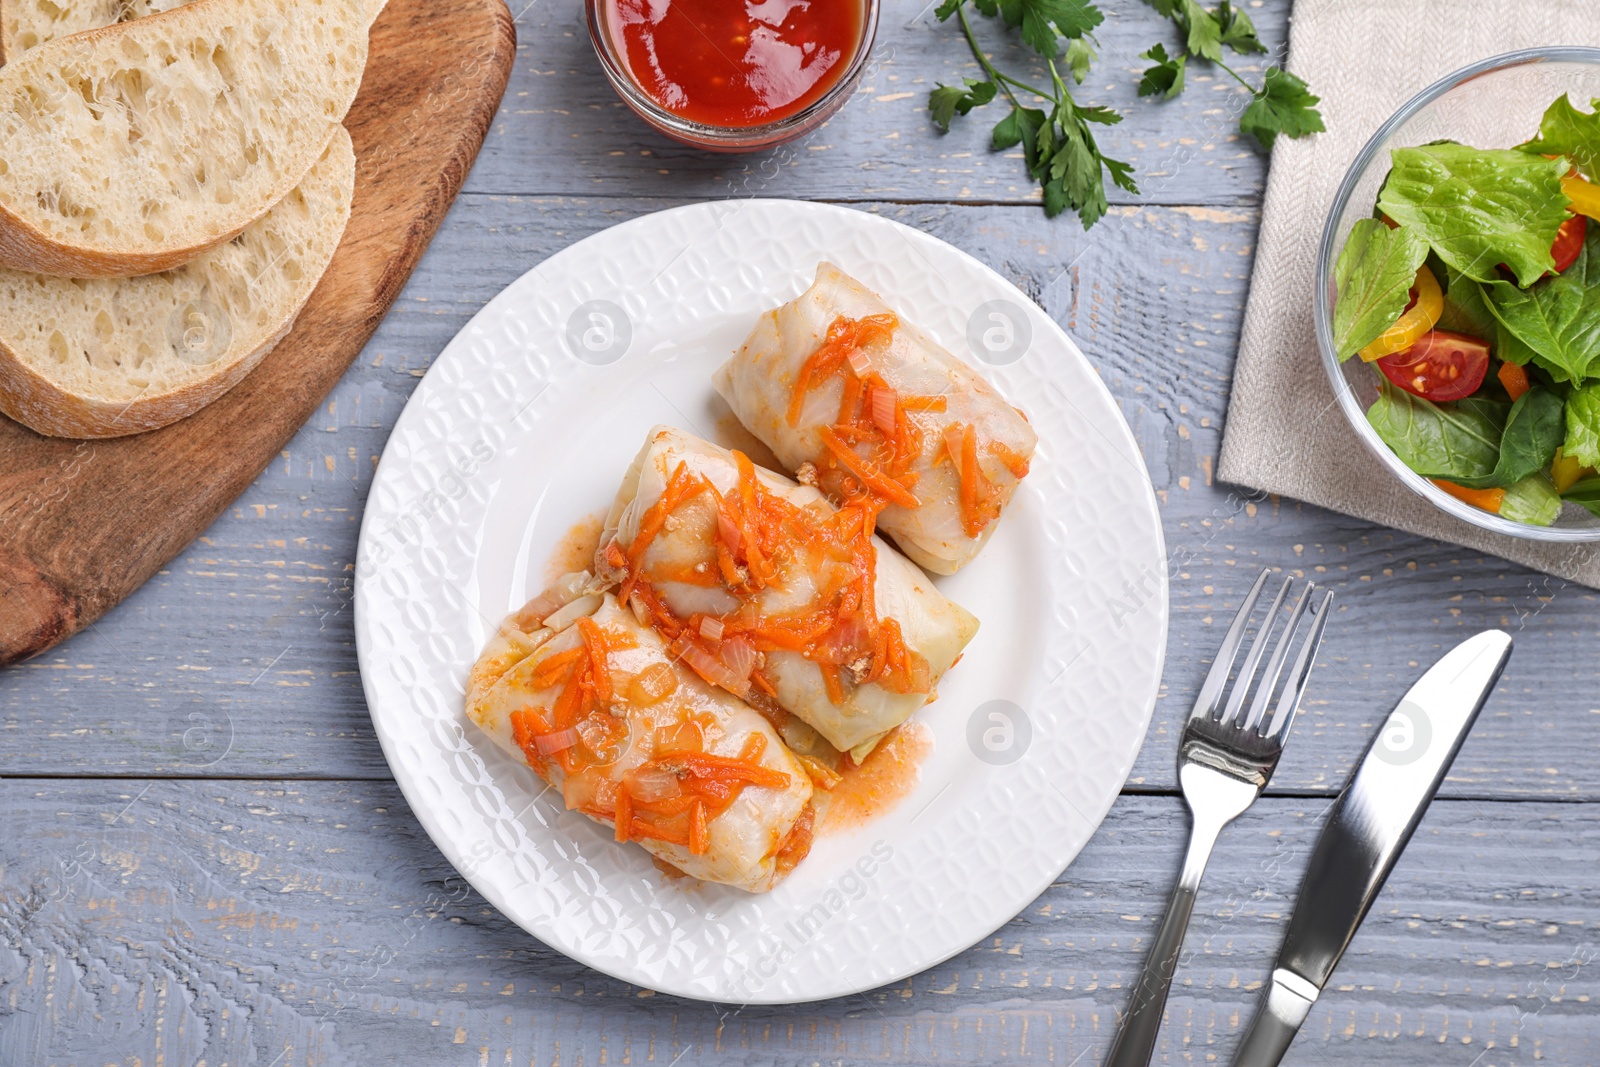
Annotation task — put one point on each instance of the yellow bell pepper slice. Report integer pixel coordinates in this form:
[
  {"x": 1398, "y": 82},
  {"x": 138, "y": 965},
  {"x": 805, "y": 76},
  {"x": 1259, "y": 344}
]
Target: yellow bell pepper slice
[
  {"x": 1487, "y": 499},
  {"x": 1585, "y": 196},
  {"x": 1566, "y": 471},
  {"x": 1410, "y": 327}
]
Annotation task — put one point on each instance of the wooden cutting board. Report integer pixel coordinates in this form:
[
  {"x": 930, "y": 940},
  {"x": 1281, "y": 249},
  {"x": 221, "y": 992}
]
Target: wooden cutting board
[{"x": 84, "y": 523}]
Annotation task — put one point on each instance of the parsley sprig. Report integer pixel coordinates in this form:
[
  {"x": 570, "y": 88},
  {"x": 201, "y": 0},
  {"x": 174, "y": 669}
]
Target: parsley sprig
[
  {"x": 1057, "y": 141},
  {"x": 1281, "y": 104}
]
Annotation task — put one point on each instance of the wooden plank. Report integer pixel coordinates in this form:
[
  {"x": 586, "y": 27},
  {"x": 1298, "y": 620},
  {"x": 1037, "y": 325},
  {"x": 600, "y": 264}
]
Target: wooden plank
[
  {"x": 308, "y": 924},
  {"x": 250, "y": 628},
  {"x": 82, "y": 524},
  {"x": 562, "y": 130}
]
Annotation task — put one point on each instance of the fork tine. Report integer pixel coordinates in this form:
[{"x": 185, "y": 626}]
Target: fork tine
[
  {"x": 1268, "y": 683},
  {"x": 1289, "y": 703},
  {"x": 1241, "y": 685},
  {"x": 1211, "y": 692}
]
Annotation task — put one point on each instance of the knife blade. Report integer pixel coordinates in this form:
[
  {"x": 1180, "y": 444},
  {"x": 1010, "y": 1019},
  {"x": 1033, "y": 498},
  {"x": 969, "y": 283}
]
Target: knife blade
[{"x": 1366, "y": 831}]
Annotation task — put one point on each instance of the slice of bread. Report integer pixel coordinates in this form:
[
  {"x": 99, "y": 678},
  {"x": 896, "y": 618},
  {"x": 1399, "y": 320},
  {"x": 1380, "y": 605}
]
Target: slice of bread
[
  {"x": 108, "y": 357},
  {"x": 133, "y": 148},
  {"x": 26, "y": 24}
]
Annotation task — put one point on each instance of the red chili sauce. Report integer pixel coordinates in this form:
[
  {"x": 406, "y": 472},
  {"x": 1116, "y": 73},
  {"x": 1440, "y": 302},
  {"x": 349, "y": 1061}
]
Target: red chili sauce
[{"x": 736, "y": 63}]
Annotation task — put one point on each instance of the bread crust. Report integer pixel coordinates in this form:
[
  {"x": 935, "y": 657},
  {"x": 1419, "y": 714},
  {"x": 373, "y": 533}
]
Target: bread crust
[
  {"x": 25, "y": 246},
  {"x": 47, "y": 407}
]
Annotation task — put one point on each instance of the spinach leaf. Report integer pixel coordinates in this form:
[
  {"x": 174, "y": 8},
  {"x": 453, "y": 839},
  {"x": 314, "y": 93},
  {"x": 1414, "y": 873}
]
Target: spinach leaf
[
  {"x": 1583, "y": 426},
  {"x": 1373, "y": 277},
  {"x": 1558, "y": 318},
  {"x": 1532, "y": 500},
  {"x": 1464, "y": 307},
  {"x": 1534, "y": 430},
  {"x": 1460, "y": 442},
  {"x": 1566, "y": 131},
  {"x": 1479, "y": 208},
  {"x": 1585, "y": 492}
]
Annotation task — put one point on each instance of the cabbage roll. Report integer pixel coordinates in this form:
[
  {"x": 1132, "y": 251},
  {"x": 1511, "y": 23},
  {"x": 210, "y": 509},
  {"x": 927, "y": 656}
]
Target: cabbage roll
[
  {"x": 858, "y": 402},
  {"x": 769, "y": 591},
  {"x": 593, "y": 702}
]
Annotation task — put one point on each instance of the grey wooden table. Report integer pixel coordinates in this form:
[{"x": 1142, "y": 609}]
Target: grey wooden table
[{"x": 205, "y": 860}]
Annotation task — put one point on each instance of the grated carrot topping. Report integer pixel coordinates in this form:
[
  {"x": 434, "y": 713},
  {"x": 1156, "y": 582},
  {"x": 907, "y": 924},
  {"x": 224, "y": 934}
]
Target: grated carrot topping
[
  {"x": 1014, "y": 461},
  {"x": 549, "y": 670},
  {"x": 699, "y": 839},
  {"x": 624, "y": 815},
  {"x": 870, "y": 476}
]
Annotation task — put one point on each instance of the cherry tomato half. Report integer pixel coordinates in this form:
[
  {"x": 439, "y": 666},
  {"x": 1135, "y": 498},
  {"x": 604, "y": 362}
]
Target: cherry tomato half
[
  {"x": 1441, "y": 366},
  {"x": 1569, "y": 242}
]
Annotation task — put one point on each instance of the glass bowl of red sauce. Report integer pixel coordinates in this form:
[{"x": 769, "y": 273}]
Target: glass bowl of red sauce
[{"x": 733, "y": 75}]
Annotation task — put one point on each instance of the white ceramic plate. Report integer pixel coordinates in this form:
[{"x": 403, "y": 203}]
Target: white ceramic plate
[{"x": 524, "y": 426}]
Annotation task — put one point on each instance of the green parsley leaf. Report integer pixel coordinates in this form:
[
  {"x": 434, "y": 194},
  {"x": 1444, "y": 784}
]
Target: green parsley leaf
[
  {"x": 1044, "y": 20},
  {"x": 1566, "y": 131},
  {"x": 1557, "y": 318},
  {"x": 1460, "y": 442},
  {"x": 1282, "y": 105},
  {"x": 1479, "y": 207},
  {"x": 1019, "y": 127},
  {"x": 1166, "y": 77},
  {"x": 1058, "y": 146},
  {"x": 946, "y": 9},
  {"x": 1202, "y": 30},
  {"x": 1238, "y": 32},
  {"x": 948, "y": 101},
  {"x": 1373, "y": 278},
  {"x": 1080, "y": 53},
  {"x": 1582, "y": 442}
]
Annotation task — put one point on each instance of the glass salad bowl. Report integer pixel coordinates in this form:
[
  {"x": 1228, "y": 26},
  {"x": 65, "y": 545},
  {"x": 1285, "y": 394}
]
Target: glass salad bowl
[{"x": 1496, "y": 103}]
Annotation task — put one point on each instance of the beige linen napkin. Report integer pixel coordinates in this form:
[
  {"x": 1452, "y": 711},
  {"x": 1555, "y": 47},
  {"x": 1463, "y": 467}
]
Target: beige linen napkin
[{"x": 1285, "y": 434}]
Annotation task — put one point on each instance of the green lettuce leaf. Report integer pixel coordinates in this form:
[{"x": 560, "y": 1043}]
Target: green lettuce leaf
[
  {"x": 1479, "y": 208},
  {"x": 1566, "y": 131},
  {"x": 1586, "y": 492},
  {"x": 1373, "y": 276},
  {"x": 1533, "y": 500},
  {"x": 1557, "y": 318},
  {"x": 1583, "y": 426},
  {"x": 1459, "y": 442}
]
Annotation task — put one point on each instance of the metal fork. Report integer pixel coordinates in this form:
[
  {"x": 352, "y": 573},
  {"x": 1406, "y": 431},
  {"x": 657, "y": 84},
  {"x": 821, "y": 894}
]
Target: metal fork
[{"x": 1224, "y": 763}]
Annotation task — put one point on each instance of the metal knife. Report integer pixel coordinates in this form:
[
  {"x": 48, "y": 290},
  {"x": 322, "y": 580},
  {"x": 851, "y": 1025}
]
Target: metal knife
[{"x": 1368, "y": 827}]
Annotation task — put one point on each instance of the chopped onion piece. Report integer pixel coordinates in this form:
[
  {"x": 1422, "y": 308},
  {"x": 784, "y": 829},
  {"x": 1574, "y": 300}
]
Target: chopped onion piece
[
  {"x": 580, "y": 608},
  {"x": 859, "y": 363},
  {"x": 884, "y": 402},
  {"x": 953, "y": 435},
  {"x": 727, "y": 531},
  {"x": 711, "y": 629},
  {"x": 641, "y": 610},
  {"x": 563, "y": 591},
  {"x": 652, "y": 684},
  {"x": 652, "y": 785},
  {"x": 560, "y": 741},
  {"x": 708, "y": 666},
  {"x": 740, "y": 656}
]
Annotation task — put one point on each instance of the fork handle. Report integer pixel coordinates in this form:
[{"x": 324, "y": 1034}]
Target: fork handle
[{"x": 1136, "y": 1040}]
